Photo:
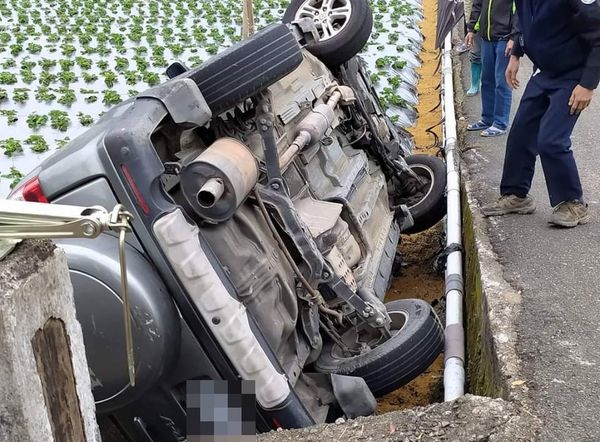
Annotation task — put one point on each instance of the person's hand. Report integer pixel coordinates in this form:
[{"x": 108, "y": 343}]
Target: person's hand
[
  {"x": 509, "y": 47},
  {"x": 469, "y": 39},
  {"x": 511, "y": 72},
  {"x": 580, "y": 99}
]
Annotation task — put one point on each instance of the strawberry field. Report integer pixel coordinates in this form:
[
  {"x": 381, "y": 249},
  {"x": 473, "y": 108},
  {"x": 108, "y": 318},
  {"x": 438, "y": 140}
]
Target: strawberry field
[{"x": 64, "y": 63}]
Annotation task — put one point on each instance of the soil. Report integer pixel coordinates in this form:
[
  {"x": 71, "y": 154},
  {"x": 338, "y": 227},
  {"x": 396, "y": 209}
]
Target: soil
[
  {"x": 429, "y": 107},
  {"x": 418, "y": 278}
]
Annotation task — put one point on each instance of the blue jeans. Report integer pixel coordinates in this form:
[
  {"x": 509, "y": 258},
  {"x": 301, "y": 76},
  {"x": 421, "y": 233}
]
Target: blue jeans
[{"x": 496, "y": 96}]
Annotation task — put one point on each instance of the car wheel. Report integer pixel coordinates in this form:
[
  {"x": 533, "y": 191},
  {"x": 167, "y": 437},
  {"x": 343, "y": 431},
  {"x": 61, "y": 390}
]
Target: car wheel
[
  {"x": 427, "y": 204},
  {"x": 344, "y": 27},
  {"x": 417, "y": 340}
]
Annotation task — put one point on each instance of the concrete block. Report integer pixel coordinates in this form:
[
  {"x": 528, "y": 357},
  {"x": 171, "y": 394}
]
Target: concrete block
[{"x": 45, "y": 392}]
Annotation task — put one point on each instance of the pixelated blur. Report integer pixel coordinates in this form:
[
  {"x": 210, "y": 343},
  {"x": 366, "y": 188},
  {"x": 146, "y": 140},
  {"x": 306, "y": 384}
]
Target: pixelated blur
[{"x": 221, "y": 411}]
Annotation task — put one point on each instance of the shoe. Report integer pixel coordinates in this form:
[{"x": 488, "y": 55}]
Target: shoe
[
  {"x": 507, "y": 204},
  {"x": 475, "y": 80},
  {"x": 493, "y": 131},
  {"x": 480, "y": 125},
  {"x": 570, "y": 214}
]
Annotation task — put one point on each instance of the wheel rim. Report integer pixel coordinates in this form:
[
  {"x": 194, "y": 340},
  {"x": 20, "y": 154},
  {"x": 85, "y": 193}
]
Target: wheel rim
[
  {"x": 399, "y": 320},
  {"x": 330, "y": 16},
  {"x": 417, "y": 198}
]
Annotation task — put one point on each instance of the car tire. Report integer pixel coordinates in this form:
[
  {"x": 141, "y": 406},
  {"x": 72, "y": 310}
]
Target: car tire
[
  {"x": 400, "y": 359},
  {"x": 247, "y": 68},
  {"x": 344, "y": 44},
  {"x": 431, "y": 207}
]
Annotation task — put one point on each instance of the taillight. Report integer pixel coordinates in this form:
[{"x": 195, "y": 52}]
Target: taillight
[{"x": 30, "y": 191}]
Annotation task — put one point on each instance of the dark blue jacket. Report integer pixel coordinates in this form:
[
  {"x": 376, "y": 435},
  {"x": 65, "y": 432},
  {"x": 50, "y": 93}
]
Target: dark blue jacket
[{"x": 562, "y": 38}]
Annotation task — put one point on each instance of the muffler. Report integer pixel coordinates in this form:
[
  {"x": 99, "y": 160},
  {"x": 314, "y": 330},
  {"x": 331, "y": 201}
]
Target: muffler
[{"x": 218, "y": 180}]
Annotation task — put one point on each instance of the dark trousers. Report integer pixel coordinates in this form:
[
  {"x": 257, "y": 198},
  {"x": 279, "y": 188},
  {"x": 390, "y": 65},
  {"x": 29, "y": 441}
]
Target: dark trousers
[{"x": 543, "y": 126}]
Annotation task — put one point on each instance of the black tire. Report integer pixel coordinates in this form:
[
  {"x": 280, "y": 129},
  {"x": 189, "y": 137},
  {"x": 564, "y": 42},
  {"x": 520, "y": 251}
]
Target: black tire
[
  {"x": 351, "y": 39},
  {"x": 430, "y": 207},
  {"x": 396, "y": 362},
  {"x": 247, "y": 68}
]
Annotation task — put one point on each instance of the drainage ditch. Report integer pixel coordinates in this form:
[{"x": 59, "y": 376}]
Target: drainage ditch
[{"x": 418, "y": 278}]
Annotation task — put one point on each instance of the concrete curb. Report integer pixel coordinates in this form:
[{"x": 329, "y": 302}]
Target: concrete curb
[{"x": 492, "y": 303}]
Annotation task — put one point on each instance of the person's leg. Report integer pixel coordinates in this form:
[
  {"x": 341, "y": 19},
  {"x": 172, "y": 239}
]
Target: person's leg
[
  {"x": 522, "y": 142},
  {"x": 475, "y": 58},
  {"x": 554, "y": 144},
  {"x": 488, "y": 81},
  {"x": 503, "y": 96}
]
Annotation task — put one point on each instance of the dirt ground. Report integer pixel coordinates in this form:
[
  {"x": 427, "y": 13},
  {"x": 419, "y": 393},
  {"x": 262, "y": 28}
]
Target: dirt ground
[{"x": 418, "y": 278}]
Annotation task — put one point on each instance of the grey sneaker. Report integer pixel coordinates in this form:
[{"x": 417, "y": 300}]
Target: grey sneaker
[
  {"x": 510, "y": 204},
  {"x": 570, "y": 214}
]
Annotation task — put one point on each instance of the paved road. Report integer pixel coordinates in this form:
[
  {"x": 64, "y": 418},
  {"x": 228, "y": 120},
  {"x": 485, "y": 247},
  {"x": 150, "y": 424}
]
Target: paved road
[{"x": 558, "y": 272}]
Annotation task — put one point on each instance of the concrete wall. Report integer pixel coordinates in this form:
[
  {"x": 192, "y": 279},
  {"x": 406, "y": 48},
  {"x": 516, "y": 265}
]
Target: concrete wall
[{"x": 35, "y": 288}]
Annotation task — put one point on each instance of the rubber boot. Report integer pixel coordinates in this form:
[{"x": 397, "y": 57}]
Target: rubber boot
[{"x": 475, "y": 79}]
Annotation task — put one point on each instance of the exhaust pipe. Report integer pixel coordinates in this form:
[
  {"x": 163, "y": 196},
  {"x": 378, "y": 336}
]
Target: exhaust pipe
[{"x": 210, "y": 193}]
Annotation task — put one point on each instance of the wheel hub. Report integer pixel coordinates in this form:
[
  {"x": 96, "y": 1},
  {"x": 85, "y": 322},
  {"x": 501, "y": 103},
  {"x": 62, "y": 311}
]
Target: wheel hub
[{"x": 330, "y": 16}]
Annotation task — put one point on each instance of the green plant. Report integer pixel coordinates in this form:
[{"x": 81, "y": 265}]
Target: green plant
[
  {"x": 59, "y": 120},
  {"x": 195, "y": 60},
  {"x": 89, "y": 78},
  {"x": 8, "y": 63},
  {"x": 121, "y": 64},
  {"x": 110, "y": 78},
  {"x": 46, "y": 78},
  {"x": 27, "y": 76},
  {"x": 35, "y": 121},
  {"x": 84, "y": 119},
  {"x": 83, "y": 62},
  {"x": 37, "y": 143},
  {"x": 131, "y": 77},
  {"x": 10, "y": 115},
  {"x": 16, "y": 49},
  {"x": 15, "y": 175},
  {"x": 60, "y": 143},
  {"x": 10, "y": 146},
  {"x": 47, "y": 64},
  {"x": 151, "y": 78},
  {"x": 132, "y": 92},
  {"x": 68, "y": 96},
  {"x": 91, "y": 99},
  {"x": 111, "y": 97},
  {"x": 3, "y": 95},
  {"x": 68, "y": 49},
  {"x": 20, "y": 95},
  {"x": 102, "y": 65},
  {"x": 34, "y": 48},
  {"x": 67, "y": 77},
  {"x": 43, "y": 93},
  {"x": 7, "y": 78},
  {"x": 66, "y": 64}
]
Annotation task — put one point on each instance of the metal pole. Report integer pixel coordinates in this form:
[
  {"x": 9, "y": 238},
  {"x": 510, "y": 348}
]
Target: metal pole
[
  {"x": 247, "y": 19},
  {"x": 454, "y": 369}
]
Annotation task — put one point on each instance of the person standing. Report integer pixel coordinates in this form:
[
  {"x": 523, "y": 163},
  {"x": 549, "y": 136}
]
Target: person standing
[
  {"x": 562, "y": 38},
  {"x": 474, "y": 55},
  {"x": 495, "y": 21}
]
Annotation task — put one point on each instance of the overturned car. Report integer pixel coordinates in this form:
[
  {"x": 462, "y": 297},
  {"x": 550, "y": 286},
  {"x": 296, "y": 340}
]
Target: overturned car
[{"x": 269, "y": 192}]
